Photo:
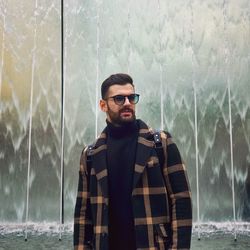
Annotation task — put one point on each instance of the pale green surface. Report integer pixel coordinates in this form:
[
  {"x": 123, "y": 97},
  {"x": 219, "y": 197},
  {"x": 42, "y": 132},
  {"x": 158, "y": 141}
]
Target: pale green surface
[
  {"x": 42, "y": 242},
  {"x": 172, "y": 49}
]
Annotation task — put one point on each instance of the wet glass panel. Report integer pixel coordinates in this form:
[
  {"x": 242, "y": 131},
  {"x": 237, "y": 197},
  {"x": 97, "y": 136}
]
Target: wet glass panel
[
  {"x": 30, "y": 48},
  {"x": 80, "y": 92}
]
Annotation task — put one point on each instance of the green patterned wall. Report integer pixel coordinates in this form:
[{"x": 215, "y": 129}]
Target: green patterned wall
[{"x": 190, "y": 63}]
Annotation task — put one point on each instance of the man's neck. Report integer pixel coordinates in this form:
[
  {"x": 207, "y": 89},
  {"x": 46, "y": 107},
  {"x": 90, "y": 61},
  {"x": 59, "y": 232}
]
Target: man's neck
[{"x": 122, "y": 130}]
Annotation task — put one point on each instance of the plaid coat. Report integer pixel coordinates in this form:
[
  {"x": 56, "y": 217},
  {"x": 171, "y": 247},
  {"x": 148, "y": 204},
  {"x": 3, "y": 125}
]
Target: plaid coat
[{"x": 161, "y": 197}]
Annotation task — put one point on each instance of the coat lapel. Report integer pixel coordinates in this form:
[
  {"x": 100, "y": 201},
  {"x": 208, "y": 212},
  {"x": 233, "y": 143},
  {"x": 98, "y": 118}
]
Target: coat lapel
[
  {"x": 144, "y": 150},
  {"x": 99, "y": 162}
]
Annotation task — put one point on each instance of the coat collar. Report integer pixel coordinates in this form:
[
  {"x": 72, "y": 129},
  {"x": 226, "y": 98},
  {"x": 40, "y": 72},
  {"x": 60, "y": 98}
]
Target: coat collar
[{"x": 145, "y": 146}]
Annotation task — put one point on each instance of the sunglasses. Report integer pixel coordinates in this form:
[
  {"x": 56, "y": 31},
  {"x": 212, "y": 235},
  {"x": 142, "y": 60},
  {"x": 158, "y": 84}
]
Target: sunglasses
[{"x": 120, "y": 99}]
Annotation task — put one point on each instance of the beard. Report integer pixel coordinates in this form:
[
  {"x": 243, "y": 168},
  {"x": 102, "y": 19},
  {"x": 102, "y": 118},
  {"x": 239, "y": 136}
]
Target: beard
[{"x": 117, "y": 119}]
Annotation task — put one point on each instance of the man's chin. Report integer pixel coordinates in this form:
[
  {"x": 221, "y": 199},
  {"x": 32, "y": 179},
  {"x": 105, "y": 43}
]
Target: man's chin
[{"x": 125, "y": 120}]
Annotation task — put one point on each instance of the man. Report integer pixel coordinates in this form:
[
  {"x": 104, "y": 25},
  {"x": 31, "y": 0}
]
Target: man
[{"x": 126, "y": 199}]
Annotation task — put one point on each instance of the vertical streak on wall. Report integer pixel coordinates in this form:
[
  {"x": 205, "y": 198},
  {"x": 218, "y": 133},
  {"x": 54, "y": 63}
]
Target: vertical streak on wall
[
  {"x": 62, "y": 121},
  {"x": 97, "y": 65},
  {"x": 226, "y": 54},
  {"x": 31, "y": 115},
  {"x": 160, "y": 51},
  {"x": 129, "y": 42},
  {"x": 161, "y": 89},
  {"x": 2, "y": 53},
  {"x": 231, "y": 153},
  {"x": 195, "y": 120}
]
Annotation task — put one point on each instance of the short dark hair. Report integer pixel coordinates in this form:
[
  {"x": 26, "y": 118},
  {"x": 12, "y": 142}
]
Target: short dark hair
[{"x": 119, "y": 78}]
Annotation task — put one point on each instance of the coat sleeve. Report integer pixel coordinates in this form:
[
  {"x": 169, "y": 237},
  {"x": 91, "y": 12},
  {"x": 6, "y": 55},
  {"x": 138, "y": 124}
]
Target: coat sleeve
[
  {"x": 180, "y": 196},
  {"x": 83, "y": 227}
]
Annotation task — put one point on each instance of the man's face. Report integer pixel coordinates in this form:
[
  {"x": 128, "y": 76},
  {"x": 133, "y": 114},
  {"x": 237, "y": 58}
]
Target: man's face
[{"x": 119, "y": 114}]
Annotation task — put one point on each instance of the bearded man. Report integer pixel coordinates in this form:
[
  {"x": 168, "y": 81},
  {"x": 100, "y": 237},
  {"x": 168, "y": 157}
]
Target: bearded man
[{"x": 131, "y": 195}]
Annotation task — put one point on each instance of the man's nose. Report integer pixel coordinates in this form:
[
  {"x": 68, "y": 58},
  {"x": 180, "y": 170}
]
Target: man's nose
[{"x": 126, "y": 102}]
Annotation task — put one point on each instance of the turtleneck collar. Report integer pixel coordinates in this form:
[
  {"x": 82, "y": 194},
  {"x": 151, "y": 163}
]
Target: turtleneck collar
[{"x": 122, "y": 131}]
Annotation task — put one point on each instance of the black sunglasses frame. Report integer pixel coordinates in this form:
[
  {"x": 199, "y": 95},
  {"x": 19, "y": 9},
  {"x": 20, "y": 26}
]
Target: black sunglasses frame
[{"x": 133, "y": 99}]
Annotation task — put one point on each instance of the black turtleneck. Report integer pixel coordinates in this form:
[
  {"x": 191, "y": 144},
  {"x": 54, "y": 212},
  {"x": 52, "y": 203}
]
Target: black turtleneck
[{"x": 121, "y": 144}]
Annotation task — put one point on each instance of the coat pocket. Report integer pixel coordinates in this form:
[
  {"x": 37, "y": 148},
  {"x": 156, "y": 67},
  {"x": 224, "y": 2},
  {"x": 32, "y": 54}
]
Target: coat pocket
[{"x": 162, "y": 236}]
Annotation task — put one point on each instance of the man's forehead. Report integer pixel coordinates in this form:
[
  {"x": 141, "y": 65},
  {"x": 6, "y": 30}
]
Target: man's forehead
[{"x": 120, "y": 89}]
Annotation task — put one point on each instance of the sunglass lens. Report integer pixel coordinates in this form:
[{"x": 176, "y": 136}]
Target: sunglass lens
[
  {"x": 119, "y": 99},
  {"x": 133, "y": 98}
]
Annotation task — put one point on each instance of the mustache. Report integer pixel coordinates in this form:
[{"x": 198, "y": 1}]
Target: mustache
[{"x": 126, "y": 110}]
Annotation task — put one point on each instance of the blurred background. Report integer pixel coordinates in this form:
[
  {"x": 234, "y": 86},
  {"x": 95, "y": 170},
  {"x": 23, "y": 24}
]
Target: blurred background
[{"x": 190, "y": 62}]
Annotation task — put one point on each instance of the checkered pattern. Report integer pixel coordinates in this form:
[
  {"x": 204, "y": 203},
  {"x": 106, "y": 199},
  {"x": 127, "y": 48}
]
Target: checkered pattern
[{"x": 161, "y": 197}]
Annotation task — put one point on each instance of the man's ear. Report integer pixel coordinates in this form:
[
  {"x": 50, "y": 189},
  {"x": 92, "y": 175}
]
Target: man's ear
[{"x": 103, "y": 105}]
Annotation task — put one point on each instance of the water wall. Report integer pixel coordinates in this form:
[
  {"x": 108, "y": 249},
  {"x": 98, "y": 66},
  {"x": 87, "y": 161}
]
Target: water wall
[{"x": 190, "y": 61}]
